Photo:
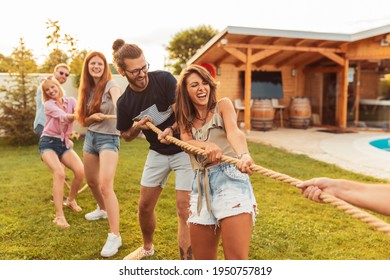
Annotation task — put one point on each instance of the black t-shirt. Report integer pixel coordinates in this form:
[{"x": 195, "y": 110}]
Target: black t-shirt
[{"x": 160, "y": 95}]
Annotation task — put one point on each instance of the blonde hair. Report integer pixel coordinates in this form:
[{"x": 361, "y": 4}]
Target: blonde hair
[
  {"x": 64, "y": 65},
  {"x": 47, "y": 82}
]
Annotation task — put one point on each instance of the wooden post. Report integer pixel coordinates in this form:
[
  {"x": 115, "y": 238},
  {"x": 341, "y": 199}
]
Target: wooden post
[
  {"x": 357, "y": 94},
  {"x": 343, "y": 99},
  {"x": 248, "y": 90}
]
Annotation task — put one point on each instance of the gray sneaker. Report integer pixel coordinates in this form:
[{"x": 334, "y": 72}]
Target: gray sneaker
[
  {"x": 96, "y": 215},
  {"x": 112, "y": 245}
]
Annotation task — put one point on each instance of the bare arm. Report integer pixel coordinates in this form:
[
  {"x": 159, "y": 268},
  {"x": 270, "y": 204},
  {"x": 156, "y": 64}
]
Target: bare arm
[
  {"x": 133, "y": 131},
  {"x": 99, "y": 117},
  {"x": 374, "y": 197},
  {"x": 235, "y": 136},
  {"x": 115, "y": 92},
  {"x": 96, "y": 117}
]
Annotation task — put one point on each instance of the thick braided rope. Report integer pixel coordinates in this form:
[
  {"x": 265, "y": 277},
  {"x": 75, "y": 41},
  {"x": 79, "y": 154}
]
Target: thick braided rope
[
  {"x": 355, "y": 212},
  {"x": 104, "y": 116}
]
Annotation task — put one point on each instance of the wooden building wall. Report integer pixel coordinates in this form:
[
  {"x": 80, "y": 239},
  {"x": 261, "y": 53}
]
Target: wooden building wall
[
  {"x": 230, "y": 84},
  {"x": 314, "y": 91},
  {"x": 370, "y": 48},
  {"x": 369, "y": 85},
  {"x": 311, "y": 84}
]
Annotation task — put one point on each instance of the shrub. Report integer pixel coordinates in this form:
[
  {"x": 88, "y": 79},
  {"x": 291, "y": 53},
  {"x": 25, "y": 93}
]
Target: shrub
[{"x": 17, "y": 107}]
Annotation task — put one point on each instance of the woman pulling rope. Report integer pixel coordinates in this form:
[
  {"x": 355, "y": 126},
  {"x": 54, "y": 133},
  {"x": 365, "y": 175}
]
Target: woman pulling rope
[
  {"x": 322, "y": 196},
  {"x": 196, "y": 107},
  {"x": 336, "y": 192}
]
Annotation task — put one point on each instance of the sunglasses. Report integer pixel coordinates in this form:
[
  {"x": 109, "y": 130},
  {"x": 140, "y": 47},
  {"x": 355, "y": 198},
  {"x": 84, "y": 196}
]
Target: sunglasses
[{"x": 64, "y": 74}]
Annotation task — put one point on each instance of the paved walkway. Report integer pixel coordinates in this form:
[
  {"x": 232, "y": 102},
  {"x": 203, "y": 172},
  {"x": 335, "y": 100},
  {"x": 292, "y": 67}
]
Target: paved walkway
[{"x": 350, "y": 151}]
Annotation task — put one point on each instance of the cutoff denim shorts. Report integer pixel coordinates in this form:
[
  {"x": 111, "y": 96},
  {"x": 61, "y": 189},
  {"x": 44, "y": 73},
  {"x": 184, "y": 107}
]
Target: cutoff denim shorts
[
  {"x": 38, "y": 129},
  {"x": 231, "y": 194},
  {"x": 52, "y": 143},
  {"x": 158, "y": 167},
  {"x": 96, "y": 142}
]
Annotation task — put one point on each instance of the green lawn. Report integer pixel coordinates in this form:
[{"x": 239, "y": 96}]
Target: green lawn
[{"x": 288, "y": 226}]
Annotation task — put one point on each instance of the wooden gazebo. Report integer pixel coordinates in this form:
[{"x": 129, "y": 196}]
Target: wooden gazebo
[{"x": 303, "y": 59}]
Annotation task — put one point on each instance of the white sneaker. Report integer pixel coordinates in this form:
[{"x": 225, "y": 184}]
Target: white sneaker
[
  {"x": 96, "y": 215},
  {"x": 112, "y": 245}
]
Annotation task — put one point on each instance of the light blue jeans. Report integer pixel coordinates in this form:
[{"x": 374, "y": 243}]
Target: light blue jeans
[
  {"x": 96, "y": 142},
  {"x": 231, "y": 194}
]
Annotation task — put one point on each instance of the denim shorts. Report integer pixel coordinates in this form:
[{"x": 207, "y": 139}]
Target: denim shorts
[
  {"x": 231, "y": 194},
  {"x": 158, "y": 167},
  {"x": 52, "y": 143},
  {"x": 38, "y": 129},
  {"x": 96, "y": 142}
]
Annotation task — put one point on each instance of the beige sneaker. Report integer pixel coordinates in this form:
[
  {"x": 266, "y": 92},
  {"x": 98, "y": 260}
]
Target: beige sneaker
[{"x": 140, "y": 253}]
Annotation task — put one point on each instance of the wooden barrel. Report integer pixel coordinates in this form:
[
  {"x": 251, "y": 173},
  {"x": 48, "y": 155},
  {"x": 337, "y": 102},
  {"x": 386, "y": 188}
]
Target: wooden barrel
[
  {"x": 262, "y": 114},
  {"x": 300, "y": 112}
]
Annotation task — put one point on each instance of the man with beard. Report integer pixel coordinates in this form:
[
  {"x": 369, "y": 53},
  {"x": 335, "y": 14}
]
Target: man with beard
[{"x": 150, "y": 96}]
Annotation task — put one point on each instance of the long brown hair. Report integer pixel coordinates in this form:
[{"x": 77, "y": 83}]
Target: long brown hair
[
  {"x": 87, "y": 85},
  {"x": 185, "y": 110}
]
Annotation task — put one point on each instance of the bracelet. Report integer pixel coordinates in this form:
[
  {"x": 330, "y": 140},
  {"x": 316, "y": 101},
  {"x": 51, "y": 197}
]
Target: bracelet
[
  {"x": 171, "y": 127},
  {"x": 242, "y": 154}
]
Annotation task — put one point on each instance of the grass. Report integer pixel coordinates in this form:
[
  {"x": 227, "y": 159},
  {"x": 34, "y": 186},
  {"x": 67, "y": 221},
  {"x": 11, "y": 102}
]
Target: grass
[{"x": 288, "y": 226}]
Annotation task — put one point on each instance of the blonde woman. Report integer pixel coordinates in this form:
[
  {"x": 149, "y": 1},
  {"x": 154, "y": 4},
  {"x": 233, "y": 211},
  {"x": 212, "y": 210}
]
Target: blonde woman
[
  {"x": 98, "y": 94},
  {"x": 56, "y": 148}
]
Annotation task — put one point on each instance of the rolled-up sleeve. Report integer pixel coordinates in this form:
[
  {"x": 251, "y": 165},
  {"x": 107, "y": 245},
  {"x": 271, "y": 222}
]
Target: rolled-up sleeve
[{"x": 52, "y": 110}]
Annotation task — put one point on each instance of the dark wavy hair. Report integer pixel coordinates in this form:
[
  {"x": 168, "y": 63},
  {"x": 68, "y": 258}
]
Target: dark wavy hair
[{"x": 184, "y": 109}]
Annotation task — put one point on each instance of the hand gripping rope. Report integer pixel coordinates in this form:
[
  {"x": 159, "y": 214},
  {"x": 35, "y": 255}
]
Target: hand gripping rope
[
  {"x": 355, "y": 212},
  {"x": 104, "y": 116}
]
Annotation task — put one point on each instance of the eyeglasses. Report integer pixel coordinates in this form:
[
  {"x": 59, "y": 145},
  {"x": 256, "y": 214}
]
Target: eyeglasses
[
  {"x": 63, "y": 73},
  {"x": 136, "y": 72}
]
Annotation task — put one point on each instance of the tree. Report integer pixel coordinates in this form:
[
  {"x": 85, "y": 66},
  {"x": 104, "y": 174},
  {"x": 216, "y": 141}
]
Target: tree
[
  {"x": 63, "y": 46},
  {"x": 17, "y": 108},
  {"x": 4, "y": 62},
  {"x": 55, "y": 57},
  {"x": 186, "y": 43},
  {"x": 76, "y": 66},
  {"x": 64, "y": 49}
]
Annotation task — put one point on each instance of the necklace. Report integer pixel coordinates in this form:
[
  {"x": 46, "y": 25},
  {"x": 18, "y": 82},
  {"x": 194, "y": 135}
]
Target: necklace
[{"x": 203, "y": 120}]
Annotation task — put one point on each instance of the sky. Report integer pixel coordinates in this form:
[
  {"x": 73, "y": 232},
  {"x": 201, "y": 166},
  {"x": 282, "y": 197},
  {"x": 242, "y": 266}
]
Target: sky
[{"x": 152, "y": 24}]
